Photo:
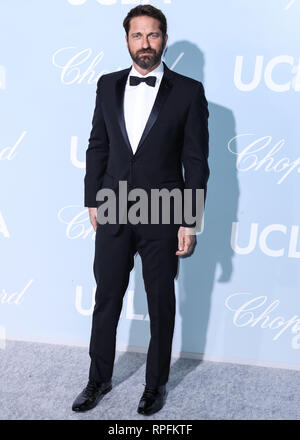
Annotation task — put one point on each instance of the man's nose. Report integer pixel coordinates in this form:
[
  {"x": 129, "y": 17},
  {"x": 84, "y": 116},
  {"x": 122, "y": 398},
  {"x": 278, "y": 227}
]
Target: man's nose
[{"x": 145, "y": 42}]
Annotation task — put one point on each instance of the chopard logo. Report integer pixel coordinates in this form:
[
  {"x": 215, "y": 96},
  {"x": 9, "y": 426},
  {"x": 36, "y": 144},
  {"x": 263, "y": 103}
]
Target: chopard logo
[
  {"x": 77, "y": 66},
  {"x": 78, "y": 226},
  {"x": 252, "y": 312},
  {"x": 262, "y": 154},
  {"x": 9, "y": 152},
  {"x": 15, "y": 297}
]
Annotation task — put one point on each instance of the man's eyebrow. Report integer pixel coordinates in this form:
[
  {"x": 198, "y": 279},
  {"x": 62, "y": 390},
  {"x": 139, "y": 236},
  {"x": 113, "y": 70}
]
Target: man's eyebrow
[{"x": 139, "y": 33}]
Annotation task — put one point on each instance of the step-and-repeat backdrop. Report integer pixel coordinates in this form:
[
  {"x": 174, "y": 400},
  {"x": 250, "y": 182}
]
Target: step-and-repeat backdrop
[{"x": 238, "y": 295}]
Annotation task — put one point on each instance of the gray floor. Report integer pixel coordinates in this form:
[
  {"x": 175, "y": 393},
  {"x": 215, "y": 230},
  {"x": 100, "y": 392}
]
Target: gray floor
[{"x": 40, "y": 381}]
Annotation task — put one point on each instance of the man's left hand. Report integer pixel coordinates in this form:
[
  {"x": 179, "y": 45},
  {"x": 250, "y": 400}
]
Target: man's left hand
[{"x": 186, "y": 241}]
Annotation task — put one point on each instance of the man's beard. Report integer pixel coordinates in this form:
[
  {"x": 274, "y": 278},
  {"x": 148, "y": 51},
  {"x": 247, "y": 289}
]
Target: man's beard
[{"x": 144, "y": 61}]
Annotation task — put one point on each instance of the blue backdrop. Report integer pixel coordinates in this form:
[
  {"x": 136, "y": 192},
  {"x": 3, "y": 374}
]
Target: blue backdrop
[{"x": 238, "y": 295}]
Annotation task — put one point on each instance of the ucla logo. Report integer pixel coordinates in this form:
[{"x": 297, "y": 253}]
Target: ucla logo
[
  {"x": 113, "y": 2},
  {"x": 265, "y": 71},
  {"x": 291, "y": 236}
]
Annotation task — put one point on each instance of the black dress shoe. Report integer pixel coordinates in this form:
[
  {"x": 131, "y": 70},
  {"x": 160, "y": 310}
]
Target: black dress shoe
[
  {"x": 152, "y": 400},
  {"x": 91, "y": 395}
]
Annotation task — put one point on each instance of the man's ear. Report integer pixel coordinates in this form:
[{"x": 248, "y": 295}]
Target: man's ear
[
  {"x": 166, "y": 40},
  {"x": 126, "y": 39}
]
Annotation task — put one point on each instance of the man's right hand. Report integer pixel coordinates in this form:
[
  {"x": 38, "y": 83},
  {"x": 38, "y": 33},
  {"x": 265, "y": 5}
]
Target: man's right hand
[{"x": 93, "y": 217}]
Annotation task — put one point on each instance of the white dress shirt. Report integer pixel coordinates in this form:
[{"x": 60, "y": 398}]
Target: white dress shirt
[{"x": 138, "y": 103}]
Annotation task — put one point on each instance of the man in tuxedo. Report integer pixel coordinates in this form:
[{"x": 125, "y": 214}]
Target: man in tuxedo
[{"x": 148, "y": 122}]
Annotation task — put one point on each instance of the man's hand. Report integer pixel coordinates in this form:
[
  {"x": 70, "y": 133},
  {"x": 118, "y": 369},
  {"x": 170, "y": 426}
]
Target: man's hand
[
  {"x": 93, "y": 217},
  {"x": 185, "y": 241}
]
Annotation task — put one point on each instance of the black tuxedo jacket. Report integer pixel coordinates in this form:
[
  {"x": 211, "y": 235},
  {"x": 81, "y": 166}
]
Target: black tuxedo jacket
[{"x": 175, "y": 134}]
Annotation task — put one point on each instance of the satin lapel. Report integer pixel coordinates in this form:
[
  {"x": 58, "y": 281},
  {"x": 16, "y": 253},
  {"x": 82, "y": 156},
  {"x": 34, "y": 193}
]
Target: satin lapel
[
  {"x": 120, "y": 90},
  {"x": 162, "y": 94}
]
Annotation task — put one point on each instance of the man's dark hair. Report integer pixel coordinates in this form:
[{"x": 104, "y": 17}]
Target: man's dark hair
[{"x": 150, "y": 11}]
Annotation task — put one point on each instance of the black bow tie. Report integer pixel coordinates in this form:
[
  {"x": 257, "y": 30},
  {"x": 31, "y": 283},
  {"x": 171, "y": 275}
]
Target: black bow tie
[{"x": 135, "y": 80}]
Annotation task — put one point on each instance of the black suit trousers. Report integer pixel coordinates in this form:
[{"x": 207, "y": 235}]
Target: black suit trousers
[{"x": 113, "y": 262}]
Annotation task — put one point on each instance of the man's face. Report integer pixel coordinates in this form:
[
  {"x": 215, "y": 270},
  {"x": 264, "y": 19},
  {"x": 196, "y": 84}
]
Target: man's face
[{"x": 145, "y": 42}]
